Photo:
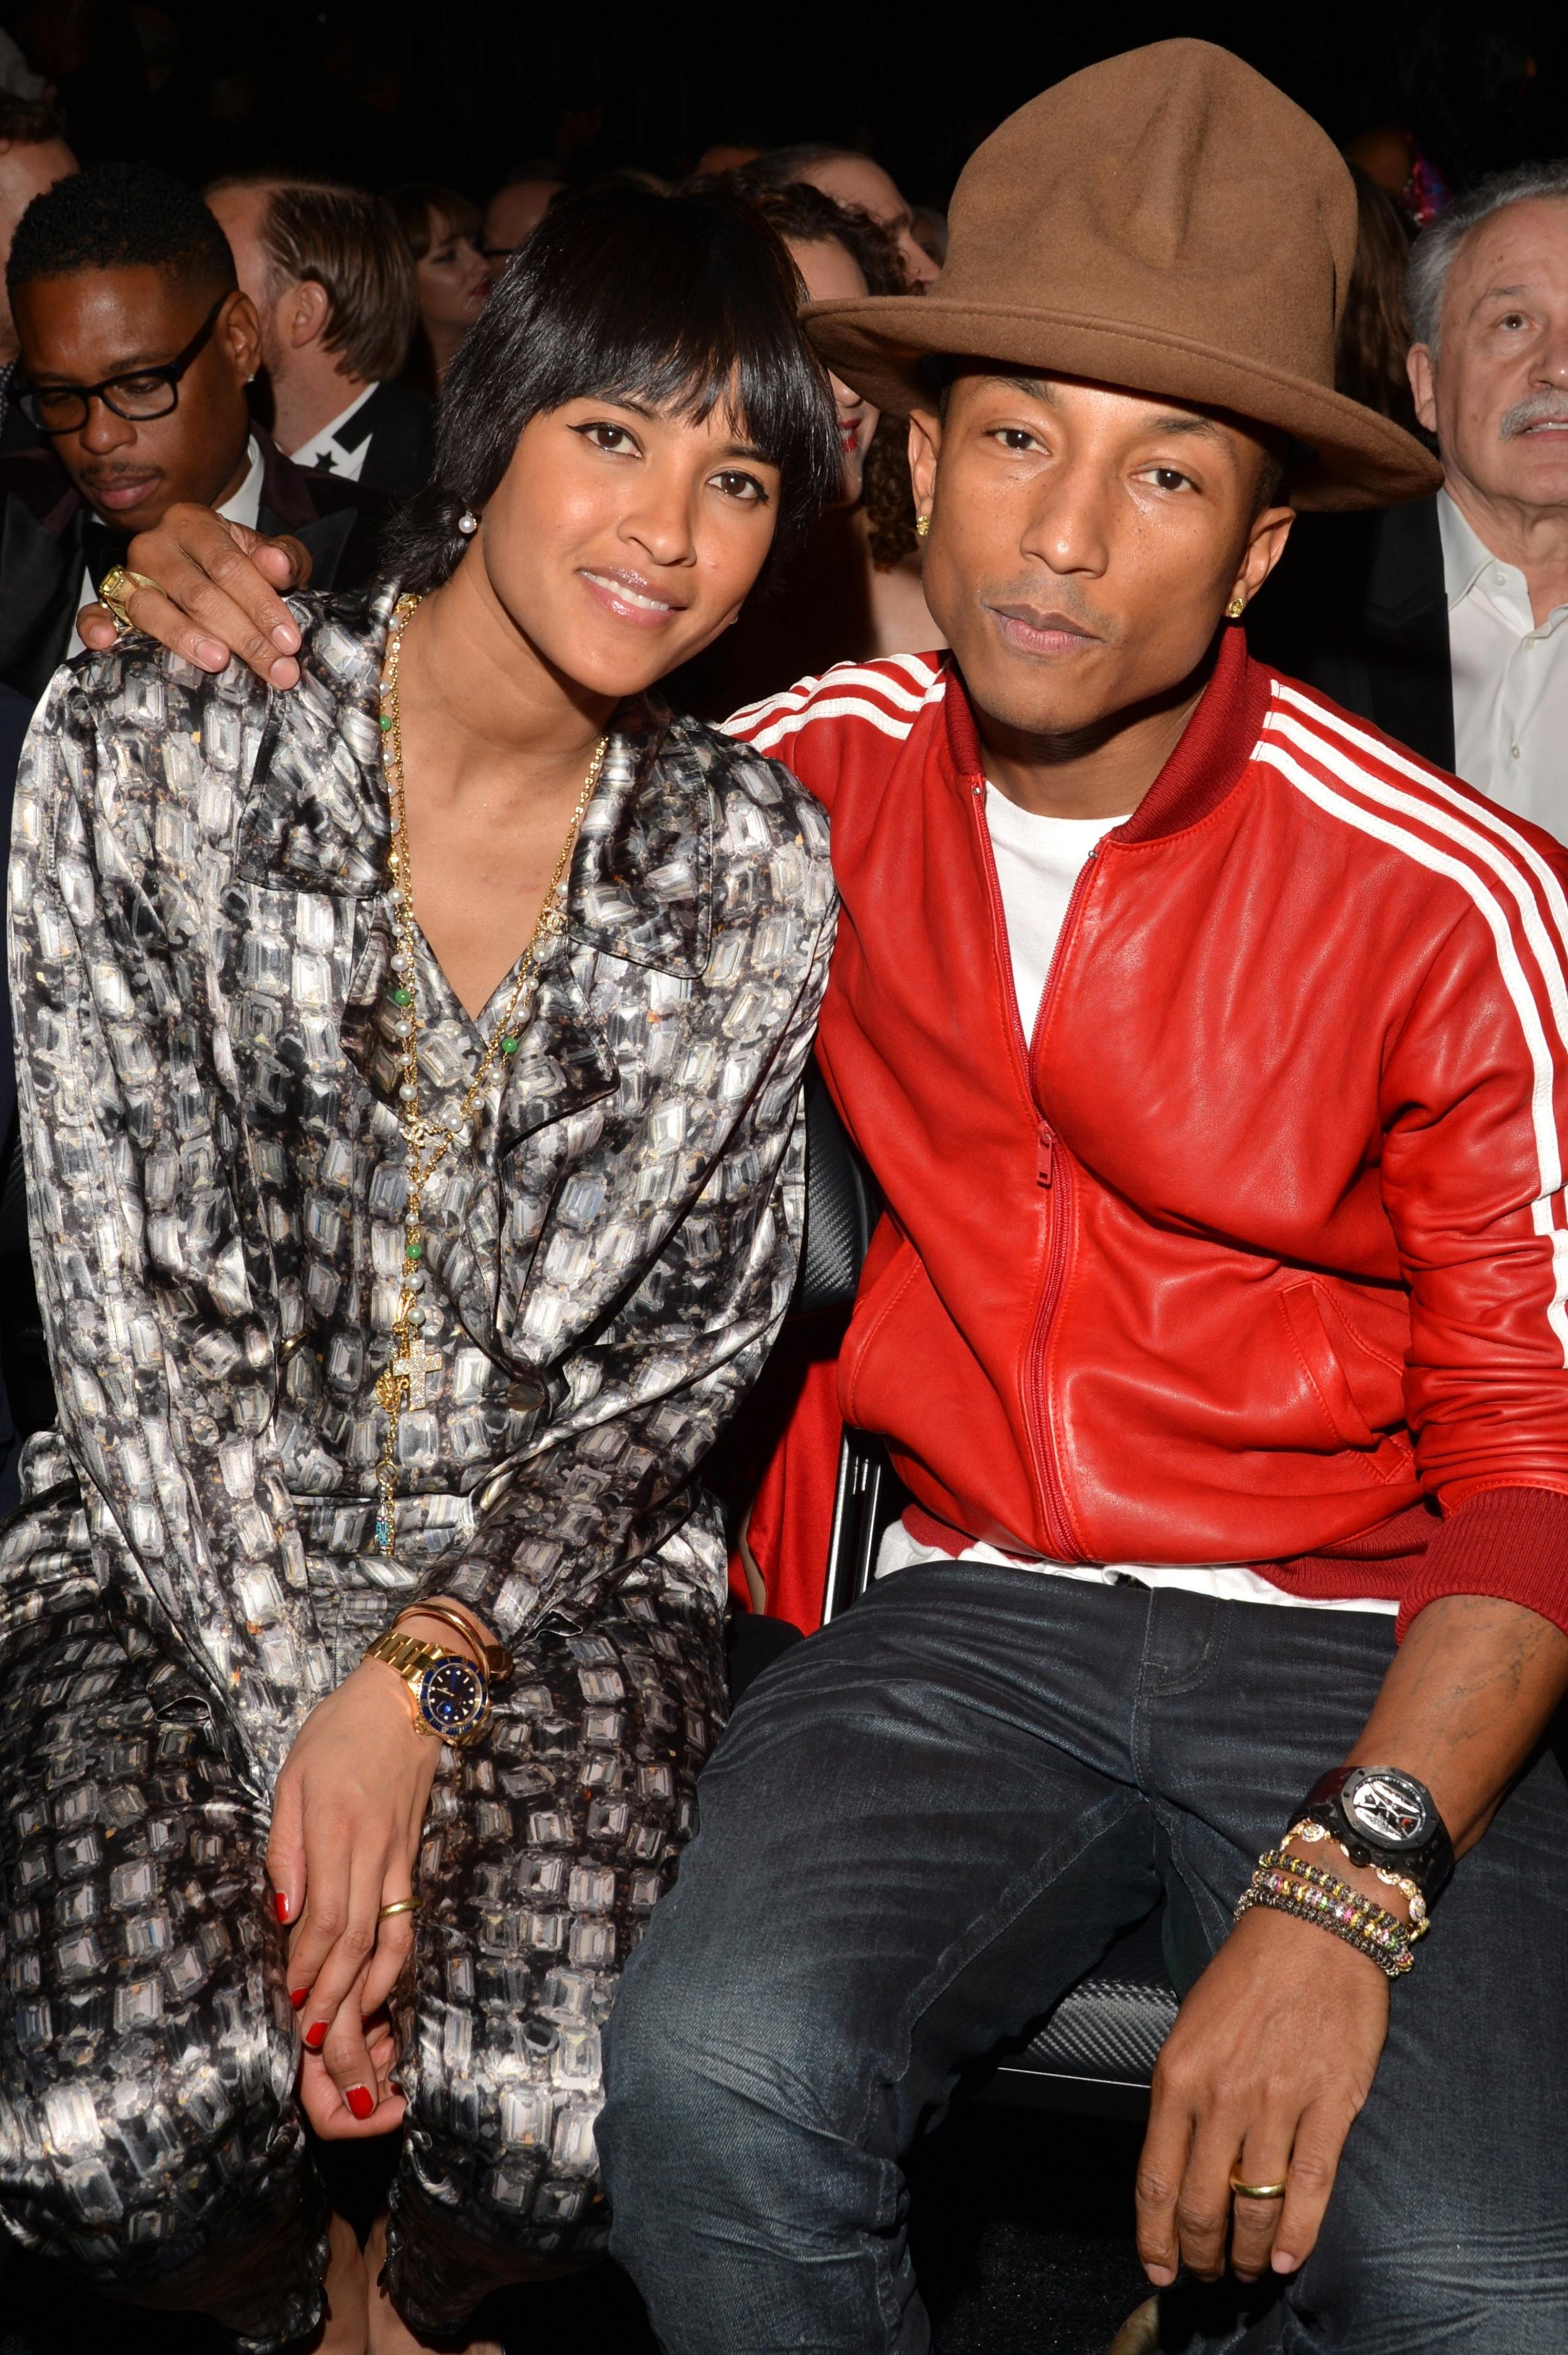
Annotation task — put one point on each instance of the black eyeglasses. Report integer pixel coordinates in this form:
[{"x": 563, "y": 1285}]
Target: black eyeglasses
[{"x": 140, "y": 394}]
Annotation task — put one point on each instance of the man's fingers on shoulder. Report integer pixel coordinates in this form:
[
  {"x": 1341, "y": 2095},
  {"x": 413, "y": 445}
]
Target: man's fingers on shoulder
[
  {"x": 95, "y": 627},
  {"x": 286, "y": 561}
]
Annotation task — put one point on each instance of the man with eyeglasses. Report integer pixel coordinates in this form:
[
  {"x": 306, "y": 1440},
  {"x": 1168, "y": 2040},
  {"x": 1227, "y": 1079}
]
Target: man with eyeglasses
[{"x": 135, "y": 349}]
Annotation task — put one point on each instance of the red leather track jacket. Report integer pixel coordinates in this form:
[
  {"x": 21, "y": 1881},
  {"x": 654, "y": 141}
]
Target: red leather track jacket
[{"x": 1258, "y": 1250}]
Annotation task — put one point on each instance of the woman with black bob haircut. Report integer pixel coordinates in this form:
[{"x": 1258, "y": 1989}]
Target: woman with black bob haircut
[{"x": 411, "y": 1070}]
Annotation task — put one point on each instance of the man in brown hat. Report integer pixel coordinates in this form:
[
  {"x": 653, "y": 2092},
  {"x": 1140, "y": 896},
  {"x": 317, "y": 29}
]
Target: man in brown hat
[{"x": 1211, "y": 1053}]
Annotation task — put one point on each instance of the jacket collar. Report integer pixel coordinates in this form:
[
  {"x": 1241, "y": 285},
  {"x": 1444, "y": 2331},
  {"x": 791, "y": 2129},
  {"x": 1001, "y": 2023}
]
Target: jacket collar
[
  {"x": 316, "y": 818},
  {"x": 1215, "y": 746}
]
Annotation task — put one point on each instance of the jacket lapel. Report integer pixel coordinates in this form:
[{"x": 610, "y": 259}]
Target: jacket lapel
[
  {"x": 41, "y": 565},
  {"x": 641, "y": 883},
  {"x": 1411, "y": 676}
]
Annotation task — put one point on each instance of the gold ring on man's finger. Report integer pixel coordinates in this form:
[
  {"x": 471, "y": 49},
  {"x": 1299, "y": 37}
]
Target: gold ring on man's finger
[
  {"x": 1257, "y": 2190},
  {"x": 399, "y": 1905},
  {"x": 115, "y": 587}
]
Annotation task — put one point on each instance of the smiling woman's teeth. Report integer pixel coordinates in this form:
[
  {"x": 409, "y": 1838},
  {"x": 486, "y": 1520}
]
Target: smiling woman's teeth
[{"x": 630, "y": 596}]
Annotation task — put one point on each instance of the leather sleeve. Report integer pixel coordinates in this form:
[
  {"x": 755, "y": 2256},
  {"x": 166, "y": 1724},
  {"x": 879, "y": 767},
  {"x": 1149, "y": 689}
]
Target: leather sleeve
[{"x": 1476, "y": 1111}]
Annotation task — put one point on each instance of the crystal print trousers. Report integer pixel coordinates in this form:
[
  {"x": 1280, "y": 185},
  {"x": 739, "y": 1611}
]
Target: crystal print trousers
[{"x": 149, "y": 2135}]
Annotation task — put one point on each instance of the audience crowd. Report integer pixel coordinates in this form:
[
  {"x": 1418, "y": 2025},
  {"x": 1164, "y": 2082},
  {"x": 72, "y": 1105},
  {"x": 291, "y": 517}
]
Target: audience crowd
[{"x": 280, "y": 351}]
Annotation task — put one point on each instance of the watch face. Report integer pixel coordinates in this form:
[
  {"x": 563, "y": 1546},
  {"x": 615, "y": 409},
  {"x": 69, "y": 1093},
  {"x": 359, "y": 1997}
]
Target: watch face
[
  {"x": 1388, "y": 1808},
  {"x": 451, "y": 1696}
]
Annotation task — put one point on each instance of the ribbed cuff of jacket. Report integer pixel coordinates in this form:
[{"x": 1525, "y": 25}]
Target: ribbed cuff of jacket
[{"x": 1508, "y": 1543}]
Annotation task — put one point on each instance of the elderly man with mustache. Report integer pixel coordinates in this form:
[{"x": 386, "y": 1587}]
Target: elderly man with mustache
[{"x": 1446, "y": 621}]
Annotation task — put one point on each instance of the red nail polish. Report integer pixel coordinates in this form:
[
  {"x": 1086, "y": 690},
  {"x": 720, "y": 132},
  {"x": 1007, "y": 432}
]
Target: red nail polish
[
  {"x": 315, "y": 2035},
  {"x": 279, "y": 1905},
  {"x": 298, "y": 1996},
  {"x": 360, "y": 2101}
]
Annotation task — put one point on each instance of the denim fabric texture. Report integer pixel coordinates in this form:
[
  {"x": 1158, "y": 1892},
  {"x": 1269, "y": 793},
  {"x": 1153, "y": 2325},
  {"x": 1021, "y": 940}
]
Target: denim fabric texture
[{"x": 921, "y": 1828}]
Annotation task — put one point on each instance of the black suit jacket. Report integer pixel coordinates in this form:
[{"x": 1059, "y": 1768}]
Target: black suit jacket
[
  {"x": 46, "y": 533},
  {"x": 18, "y": 1307},
  {"x": 399, "y": 425},
  {"x": 1357, "y": 607}
]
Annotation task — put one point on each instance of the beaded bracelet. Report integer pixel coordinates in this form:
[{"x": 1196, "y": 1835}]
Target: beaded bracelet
[
  {"x": 1420, "y": 1920},
  {"x": 1285, "y": 1884}
]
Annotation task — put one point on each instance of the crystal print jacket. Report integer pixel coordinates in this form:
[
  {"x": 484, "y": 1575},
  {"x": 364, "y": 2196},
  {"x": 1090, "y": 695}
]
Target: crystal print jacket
[{"x": 200, "y": 961}]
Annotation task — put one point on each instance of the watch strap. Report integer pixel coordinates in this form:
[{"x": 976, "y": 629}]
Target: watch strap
[
  {"x": 1430, "y": 1865},
  {"x": 409, "y": 1655}
]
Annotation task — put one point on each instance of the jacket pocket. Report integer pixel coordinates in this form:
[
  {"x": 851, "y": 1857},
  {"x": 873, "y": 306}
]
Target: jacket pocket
[
  {"x": 1303, "y": 1312},
  {"x": 891, "y": 1264}
]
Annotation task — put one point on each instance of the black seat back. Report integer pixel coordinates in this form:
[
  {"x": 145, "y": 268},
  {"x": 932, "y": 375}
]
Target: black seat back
[{"x": 842, "y": 1207}]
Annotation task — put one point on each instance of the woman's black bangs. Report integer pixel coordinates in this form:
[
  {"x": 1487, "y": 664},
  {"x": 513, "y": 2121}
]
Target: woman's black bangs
[
  {"x": 685, "y": 305},
  {"x": 678, "y": 324}
]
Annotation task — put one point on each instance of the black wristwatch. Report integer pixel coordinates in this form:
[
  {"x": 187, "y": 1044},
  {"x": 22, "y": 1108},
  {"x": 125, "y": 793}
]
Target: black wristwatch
[{"x": 1384, "y": 1818}]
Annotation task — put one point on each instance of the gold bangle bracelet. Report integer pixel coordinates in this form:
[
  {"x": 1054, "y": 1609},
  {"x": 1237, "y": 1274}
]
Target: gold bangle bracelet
[{"x": 494, "y": 1660}]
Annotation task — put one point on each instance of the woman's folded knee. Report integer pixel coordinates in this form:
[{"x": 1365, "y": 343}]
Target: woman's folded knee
[{"x": 124, "y": 2171}]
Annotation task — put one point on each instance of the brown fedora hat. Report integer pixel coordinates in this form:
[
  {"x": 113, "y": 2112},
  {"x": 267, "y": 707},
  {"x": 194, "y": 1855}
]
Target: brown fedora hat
[{"x": 1165, "y": 221}]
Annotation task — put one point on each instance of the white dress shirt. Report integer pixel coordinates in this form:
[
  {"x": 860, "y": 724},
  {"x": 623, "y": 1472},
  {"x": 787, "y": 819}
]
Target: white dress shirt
[
  {"x": 243, "y": 507},
  {"x": 1510, "y": 679},
  {"x": 330, "y": 451}
]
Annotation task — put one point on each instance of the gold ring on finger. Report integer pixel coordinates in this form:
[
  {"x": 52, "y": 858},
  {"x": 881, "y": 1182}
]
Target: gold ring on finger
[
  {"x": 1257, "y": 2190},
  {"x": 115, "y": 587},
  {"x": 399, "y": 1905}
]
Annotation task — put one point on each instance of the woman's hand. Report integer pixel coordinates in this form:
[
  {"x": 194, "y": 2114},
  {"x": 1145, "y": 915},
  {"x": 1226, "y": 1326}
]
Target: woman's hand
[
  {"x": 327, "y": 2108},
  {"x": 346, "y": 1823},
  {"x": 216, "y": 594}
]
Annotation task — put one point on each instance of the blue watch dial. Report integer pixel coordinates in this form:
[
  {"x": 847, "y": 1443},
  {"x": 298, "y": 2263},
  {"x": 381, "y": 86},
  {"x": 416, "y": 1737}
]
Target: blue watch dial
[{"x": 452, "y": 1697}]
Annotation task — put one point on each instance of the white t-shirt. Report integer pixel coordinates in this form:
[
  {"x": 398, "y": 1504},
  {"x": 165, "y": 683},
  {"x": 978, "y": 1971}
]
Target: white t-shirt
[{"x": 1038, "y": 860}]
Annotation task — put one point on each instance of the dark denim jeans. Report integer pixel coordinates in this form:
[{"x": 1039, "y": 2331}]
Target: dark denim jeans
[{"x": 921, "y": 1828}]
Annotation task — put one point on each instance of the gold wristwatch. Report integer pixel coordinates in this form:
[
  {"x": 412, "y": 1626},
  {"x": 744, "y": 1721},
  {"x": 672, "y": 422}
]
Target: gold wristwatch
[{"x": 450, "y": 1696}]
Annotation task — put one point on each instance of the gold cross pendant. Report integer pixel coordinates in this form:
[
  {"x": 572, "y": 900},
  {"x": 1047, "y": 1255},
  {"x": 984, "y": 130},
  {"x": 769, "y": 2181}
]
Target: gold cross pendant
[{"x": 416, "y": 1366}]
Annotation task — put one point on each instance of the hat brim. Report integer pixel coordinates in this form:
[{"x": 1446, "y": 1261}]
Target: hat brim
[{"x": 1352, "y": 457}]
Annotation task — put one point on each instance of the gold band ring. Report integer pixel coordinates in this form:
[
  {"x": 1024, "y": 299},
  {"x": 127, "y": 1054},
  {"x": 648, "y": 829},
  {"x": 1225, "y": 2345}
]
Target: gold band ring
[
  {"x": 1257, "y": 2190},
  {"x": 115, "y": 587},
  {"x": 399, "y": 1905}
]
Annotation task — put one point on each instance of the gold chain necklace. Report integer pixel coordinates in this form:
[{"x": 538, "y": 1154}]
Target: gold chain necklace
[{"x": 427, "y": 1142}]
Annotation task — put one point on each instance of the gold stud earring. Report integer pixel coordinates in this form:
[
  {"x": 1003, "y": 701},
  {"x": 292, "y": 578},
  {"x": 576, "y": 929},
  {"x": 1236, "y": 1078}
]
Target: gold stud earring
[
  {"x": 1236, "y": 609},
  {"x": 922, "y": 526}
]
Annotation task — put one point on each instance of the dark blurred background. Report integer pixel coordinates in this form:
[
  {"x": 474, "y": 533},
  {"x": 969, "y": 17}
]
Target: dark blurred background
[{"x": 465, "y": 90}]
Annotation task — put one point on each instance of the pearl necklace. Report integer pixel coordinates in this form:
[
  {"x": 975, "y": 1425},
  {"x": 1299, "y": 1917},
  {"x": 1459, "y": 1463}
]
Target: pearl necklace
[{"x": 427, "y": 1142}]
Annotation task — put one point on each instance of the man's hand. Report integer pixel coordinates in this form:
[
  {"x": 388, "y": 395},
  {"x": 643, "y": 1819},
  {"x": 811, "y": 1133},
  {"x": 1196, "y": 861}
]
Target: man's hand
[
  {"x": 1275, "y": 2050},
  {"x": 1272, "y": 2056},
  {"x": 216, "y": 594}
]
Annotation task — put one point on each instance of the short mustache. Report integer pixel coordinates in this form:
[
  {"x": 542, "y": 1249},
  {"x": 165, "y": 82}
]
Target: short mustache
[
  {"x": 1052, "y": 599},
  {"x": 1536, "y": 409}
]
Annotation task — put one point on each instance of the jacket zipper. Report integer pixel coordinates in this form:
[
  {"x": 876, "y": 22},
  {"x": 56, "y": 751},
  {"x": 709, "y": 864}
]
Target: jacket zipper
[{"x": 1054, "y": 1176}]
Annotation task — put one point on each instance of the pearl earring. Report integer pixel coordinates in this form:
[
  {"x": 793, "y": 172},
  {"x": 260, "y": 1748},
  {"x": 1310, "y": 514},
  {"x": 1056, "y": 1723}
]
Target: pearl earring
[{"x": 468, "y": 523}]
